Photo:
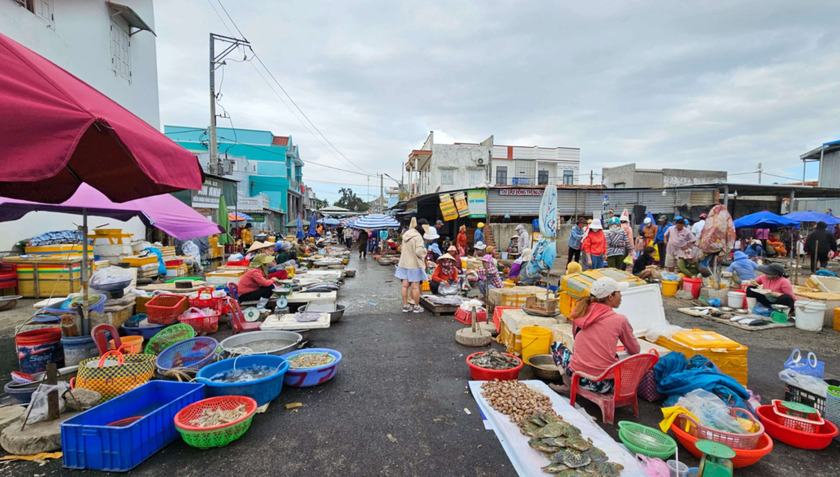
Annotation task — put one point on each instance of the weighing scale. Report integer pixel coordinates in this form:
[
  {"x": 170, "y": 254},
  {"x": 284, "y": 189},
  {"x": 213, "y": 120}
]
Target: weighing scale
[{"x": 716, "y": 459}]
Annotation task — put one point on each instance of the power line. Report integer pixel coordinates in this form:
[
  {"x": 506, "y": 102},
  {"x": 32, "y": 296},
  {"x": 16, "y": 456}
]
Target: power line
[
  {"x": 271, "y": 75},
  {"x": 283, "y": 155}
]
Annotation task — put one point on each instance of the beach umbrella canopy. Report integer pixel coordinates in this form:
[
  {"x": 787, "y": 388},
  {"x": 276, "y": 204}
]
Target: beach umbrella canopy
[
  {"x": 59, "y": 132},
  {"x": 329, "y": 221},
  {"x": 765, "y": 219},
  {"x": 163, "y": 212},
  {"x": 348, "y": 220},
  {"x": 375, "y": 222},
  {"x": 811, "y": 216},
  {"x": 238, "y": 217},
  {"x": 299, "y": 234},
  {"x": 224, "y": 222}
]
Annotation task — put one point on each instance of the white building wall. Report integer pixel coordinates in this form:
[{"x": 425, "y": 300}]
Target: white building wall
[
  {"x": 78, "y": 38},
  {"x": 526, "y": 161},
  {"x": 466, "y": 163}
]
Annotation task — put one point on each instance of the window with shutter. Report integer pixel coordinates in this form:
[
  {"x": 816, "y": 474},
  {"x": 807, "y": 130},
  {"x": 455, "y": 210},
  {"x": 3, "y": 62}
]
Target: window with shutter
[{"x": 120, "y": 48}]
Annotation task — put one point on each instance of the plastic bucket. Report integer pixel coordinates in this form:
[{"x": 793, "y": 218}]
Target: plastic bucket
[
  {"x": 37, "y": 348},
  {"x": 809, "y": 315},
  {"x": 669, "y": 288},
  {"x": 735, "y": 298},
  {"x": 135, "y": 340},
  {"x": 837, "y": 319},
  {"x": 77, "y": 349},
  {"x": 535, "y": 340},
  {"x": 677, "y": 469},
  {"x": 693, "y": 285},
  {"x": 504, "y": 255}
]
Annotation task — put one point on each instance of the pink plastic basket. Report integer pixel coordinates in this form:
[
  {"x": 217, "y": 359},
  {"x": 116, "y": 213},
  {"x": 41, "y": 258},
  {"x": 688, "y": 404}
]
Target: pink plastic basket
[{"x": 735, "y": 441}]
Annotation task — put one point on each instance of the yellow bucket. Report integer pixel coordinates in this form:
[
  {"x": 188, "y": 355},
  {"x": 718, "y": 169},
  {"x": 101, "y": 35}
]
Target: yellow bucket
[
  {"x": 535, "y": 340},
  {"x": 669, "y": 288}
]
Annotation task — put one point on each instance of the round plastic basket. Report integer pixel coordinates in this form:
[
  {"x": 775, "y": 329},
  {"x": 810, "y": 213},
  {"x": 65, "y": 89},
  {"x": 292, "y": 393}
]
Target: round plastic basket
[
  {"x": 646, "y": 440},
  {"x": 743, "y": 457},
  {"x": 193, "y": 353},
  {"x": 216, "y": 436},
  {"x": 478, "y": 373},
  {"x": 820, "y": 439},
  {"x": 169, "y": 336},
  {"x": 735, "y": 441}
]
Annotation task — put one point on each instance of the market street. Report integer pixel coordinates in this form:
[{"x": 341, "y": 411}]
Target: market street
[{"x": 397, "y": 404}]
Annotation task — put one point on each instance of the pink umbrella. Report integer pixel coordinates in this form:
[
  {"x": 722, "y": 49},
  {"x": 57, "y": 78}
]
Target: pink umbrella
[
  {"x": 164, "y": 212},
  {"x": 58, "y": 132}
]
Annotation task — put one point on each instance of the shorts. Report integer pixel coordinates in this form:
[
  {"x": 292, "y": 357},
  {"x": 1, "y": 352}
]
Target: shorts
[{"x": 671, "y": 261}]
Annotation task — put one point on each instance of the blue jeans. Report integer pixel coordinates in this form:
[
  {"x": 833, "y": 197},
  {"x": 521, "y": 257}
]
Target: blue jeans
[{"x": 597, "y": 262}]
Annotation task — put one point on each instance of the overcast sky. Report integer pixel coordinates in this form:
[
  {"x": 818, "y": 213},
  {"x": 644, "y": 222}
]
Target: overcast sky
[{"x": 706, "y": 85}]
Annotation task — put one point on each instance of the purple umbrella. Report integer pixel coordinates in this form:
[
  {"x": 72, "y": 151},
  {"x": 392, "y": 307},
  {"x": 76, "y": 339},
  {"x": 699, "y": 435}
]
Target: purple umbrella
[{"x": 164, "y": 212}]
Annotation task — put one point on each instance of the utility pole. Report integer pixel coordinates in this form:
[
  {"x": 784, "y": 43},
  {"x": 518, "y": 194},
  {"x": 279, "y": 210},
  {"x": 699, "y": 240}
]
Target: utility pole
[
  {"x": 760, "y": 170},
  {"x": 381, "y": 192},
  {"x": 591, "y": 177},
  {"x": 215, "y": 62}
]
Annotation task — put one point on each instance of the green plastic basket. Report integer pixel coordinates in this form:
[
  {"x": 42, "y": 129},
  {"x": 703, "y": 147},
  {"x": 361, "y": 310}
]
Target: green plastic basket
[
  {"x": 646, "y": 440},
  {"x": 217, "y": 438},
  {"x": 168, "y": 337}
]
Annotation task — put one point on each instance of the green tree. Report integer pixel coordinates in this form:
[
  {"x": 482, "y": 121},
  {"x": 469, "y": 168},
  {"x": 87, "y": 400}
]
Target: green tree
[{"x": 349, "y": 200}]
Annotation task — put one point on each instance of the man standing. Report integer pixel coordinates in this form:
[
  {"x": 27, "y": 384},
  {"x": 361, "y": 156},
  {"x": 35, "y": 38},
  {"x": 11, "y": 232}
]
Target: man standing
[
  {"x": 697, "y": 228},
  {"x": 664, "y": 225},
  {"x": 524, "y": 240},
  {"x": 575, "y": 238},
  {"x": 247, "y": 237},
  {"x": 818, "y": 244},
  {"x": 678, "y": 239},
  {"x": 479, "y": 233},
  {"x": 348, "y": 237},
  {"x": 383, "y": 237}
]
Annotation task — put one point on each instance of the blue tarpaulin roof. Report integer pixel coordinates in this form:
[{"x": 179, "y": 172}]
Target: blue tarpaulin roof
[
  {"x": 765, "y": 219},
  {"x": 811, "y": 216}
]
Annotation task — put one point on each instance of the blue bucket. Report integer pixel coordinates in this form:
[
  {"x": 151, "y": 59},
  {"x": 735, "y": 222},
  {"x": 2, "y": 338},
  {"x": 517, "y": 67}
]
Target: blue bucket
[
  {"x": 78, "y": 349},
  {"x": 262, "y": 390}
]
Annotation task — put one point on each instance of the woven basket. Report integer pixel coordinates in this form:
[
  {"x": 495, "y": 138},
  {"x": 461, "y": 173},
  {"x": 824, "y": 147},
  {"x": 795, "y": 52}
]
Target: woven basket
[{"x": 218, "y": 436}]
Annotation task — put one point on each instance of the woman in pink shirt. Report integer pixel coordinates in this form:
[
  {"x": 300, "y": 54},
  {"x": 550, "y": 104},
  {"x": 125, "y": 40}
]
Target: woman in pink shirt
[
  {"x": 597, "y": 329},
  {"x": 774, "y": 280}
]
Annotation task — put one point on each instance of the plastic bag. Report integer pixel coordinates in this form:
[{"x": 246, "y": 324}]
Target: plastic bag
[
  {"x": 191, "y": 249},
  {"x": 670, "y": 277},
  {"x": 37, "y": 409},
  {"x": 809, "y": 383},
  {"x": 762, "y": 310},
  {"x": 108, "y": 277},
  {"x": 711, "y": 411},
  {"x": 446, "y": 289}
]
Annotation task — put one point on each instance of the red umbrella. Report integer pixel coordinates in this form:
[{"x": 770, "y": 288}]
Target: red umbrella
[{"x": 58, "y": 132}]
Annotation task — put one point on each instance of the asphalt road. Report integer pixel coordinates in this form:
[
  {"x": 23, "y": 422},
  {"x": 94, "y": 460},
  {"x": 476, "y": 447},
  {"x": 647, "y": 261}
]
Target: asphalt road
[{"x": 397, "y": 404}]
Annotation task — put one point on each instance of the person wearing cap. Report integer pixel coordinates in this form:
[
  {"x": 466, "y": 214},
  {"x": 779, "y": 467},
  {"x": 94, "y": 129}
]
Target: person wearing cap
[
  {"x": 659, "y": 241},
  {"x": 445, "y": 272},
  {"x": 461, "y": 240},
  {"x": 697, "y": 228},
  {"x": 255, "y": 284},
  {"x": 755, "y": 250},
  {"x": 775, "y": 281},
  {"x": 618, "y": 244},
  {"x": 411, "y": 269},
  {"x": 479, "y": 249},
  {"x": 517, "y": 265},
  {"x": 383, "y": 238},
  {"x": 431, "y": 238},
  {"x": 597, "y": 330},
  {"x": 817, "y": 244},
  {"x": 575, "y": 239},
  {"x": 742, "y": 268},
  {"x": 488, "y": 276},
  {"x": 678, "y": 239},
  {"x": 595, "y": 246},
  {"x": 524, "y": 240},
  {"x": 453, "y": 251},
  {"x": 649, "y": 230},
  {"x": 478, "y": 236}
]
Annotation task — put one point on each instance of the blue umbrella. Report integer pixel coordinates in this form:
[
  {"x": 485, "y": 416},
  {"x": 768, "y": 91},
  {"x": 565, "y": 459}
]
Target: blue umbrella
[
  {"x": 375, "y": 222},
  {"x": 329, "y": 221},
  {"x": 811, "y": 216},
  {"x": 313, "y": 232},
  {"x": 765, "y": 219},
  {"x": 299, "y": 225}
]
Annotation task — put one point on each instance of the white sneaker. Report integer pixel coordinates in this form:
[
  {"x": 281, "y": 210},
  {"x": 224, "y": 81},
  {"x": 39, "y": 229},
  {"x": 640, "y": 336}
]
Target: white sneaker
[
  {"x": 406, "y": 308},
  {"x": 418, "y": 309}
]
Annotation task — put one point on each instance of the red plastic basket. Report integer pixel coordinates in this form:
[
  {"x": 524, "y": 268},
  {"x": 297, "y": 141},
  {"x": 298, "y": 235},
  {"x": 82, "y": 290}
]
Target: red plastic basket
[
  {"x": 201, "y": 324},
  {"x": 238, "y": 263},
  {"x": 174, "y": 262},
  {"x": 191, "y": 412},
  {"x": 165, "y": 309},
  {"x": 803, "y": 440},
  {"x": 743, "y": 457},
  {"x": 465, "y": 316},
  {"x": 484, "y": 374},
  {"x": 212, "y": 303},
  {"x": 735, "y": 441},
  {"x": 808, "y": 424}
]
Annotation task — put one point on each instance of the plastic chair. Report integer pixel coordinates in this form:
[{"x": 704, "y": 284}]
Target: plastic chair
[
  {"x": 627, "y": 374},
  {"x": 234, "y": 292},
  {"x": 237, "y": 319},
  {"x": 8, "y": 276},
  {"x": 101, "y": 340}
]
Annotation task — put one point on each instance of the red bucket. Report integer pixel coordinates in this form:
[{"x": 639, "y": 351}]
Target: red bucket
[
  {"x": 693, "y": 285},
  {"x": 37, "y": 348}
]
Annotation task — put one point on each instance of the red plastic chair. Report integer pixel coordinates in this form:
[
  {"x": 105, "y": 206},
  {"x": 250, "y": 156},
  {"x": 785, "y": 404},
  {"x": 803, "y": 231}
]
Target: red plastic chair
[
  {"x": 8, "y": 276},
  {"x": 237, "y": 319},
  {"x": 627, "y": 374},
  {"x": 100, "y": 335},
  {"x": 234, "y": 291}
]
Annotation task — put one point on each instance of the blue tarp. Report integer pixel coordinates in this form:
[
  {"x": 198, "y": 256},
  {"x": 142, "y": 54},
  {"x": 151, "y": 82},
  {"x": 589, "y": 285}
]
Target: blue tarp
[
  {"x": 677, "y": 377},
  {"x": 765, "y": 219},
  {"x": 811, "y": 216}
]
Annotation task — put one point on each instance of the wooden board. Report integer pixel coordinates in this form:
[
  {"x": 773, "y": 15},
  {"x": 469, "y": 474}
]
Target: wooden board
[
  {"x": 438, "y": 309},
  {"x": 690, "y": 312},
  {"x": 306, "y": 297},
  {"x": 288, "y": 322}
]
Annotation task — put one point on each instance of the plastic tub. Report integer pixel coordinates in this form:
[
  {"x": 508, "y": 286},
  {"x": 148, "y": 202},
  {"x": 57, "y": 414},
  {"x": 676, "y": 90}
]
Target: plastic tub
[
  {"x": 803, "y": 440},
  {"x": 88, "y": 442},
  {"x": 677, "y": 469},
  {"x": 736, "y": 299},
  {"x": 193, "y": 353},
  {"x": 306, "y": 377},
  {"x": 743, "y": 457},
  {"x": 37, "y": 348},
  {"x": 535, "y": 340},
  {"x": 262, "y": 390},
  {"x": 134, "y": 340},
  {"x": 147, "y": 332},
  {"x": 483, "y": 374},
  {"x": 77, "y": 349},
  {"x": 669, "y": 288},
  {"x": 809, "y": 315},
  {"x": 66, "y": 306},
  {"x": 693, "y": 285},
  {"x": 273, "y": 342}
]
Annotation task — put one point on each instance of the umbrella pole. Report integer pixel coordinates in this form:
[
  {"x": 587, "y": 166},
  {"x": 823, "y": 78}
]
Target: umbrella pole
[{"x": 85, "y": 278}]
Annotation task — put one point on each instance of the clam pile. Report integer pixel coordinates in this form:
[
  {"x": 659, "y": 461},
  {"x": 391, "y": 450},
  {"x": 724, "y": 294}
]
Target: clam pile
[{"x": 515, "y": 399}]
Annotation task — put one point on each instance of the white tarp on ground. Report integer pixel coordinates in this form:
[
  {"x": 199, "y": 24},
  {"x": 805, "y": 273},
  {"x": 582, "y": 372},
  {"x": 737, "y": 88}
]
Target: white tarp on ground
[{"x": 528, "y": 461}]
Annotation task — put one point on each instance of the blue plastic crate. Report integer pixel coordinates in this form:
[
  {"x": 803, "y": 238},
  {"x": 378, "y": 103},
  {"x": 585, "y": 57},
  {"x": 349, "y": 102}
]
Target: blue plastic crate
[{"x": 89, "y": 443}]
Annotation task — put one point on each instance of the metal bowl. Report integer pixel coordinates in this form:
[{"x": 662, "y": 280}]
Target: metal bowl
[
  {"x": 334, "y": 315},
  {"x": 544, "y": 367},
  {"x": 263, "y": 342}
]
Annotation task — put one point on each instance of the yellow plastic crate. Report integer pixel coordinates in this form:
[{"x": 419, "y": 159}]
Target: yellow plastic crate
[
  {"x": 140, "y": 261},
  {"x": 731, "y": 361},
  {"x": 697, "y": 338},
  {"x": 577, "y": 284},
  {"x": 566, "y": 303}
]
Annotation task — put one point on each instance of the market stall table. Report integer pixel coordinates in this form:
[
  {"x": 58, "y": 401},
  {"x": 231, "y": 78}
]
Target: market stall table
[{"x": 528, "y": 461}]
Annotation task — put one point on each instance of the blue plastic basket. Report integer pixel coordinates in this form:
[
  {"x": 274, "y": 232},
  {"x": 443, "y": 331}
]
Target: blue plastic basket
[
  {"x": 88, "y": 442},
  {"x": 194, "y": 353},
  {"x": 261, "y": 390},
  {"x": 305, "y": 377},
  {"x": 147, "y": 332}
]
